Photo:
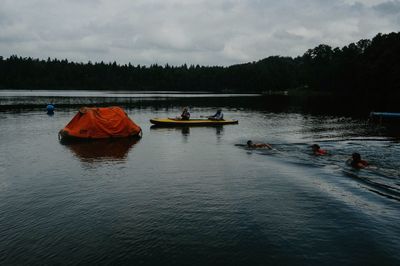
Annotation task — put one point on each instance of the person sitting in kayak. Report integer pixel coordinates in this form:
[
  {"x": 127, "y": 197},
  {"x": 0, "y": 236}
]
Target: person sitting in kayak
[
  {"x": 357, "y": 162},
  {"x": 317, "y": 150},
  {"x": 218, "y": 115},
  {"x": 252, "y": 145},
  {"x": 185, "y": 114}
]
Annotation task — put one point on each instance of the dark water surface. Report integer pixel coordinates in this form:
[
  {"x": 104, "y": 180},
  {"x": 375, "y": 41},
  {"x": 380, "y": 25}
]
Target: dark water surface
[{"x": 190, "y": 196}]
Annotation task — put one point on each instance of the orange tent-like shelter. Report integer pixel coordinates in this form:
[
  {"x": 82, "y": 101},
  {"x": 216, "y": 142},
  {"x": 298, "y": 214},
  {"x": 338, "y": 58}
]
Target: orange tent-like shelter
[{"x": 100, "y": 123}]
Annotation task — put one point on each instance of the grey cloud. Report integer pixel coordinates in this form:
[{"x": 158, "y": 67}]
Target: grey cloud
[
  {"x": 283, "y": 34},
  {"x": 388, "y": 8}
]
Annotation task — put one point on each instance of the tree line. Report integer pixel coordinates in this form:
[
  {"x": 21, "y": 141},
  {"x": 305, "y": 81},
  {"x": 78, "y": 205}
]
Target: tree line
[{"x": 367, "y": 66}]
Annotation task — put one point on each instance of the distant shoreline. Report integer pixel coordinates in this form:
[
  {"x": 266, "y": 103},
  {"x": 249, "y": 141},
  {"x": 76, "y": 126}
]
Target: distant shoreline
[
  {"x": 367, "y": 67},
  {"x": 327, "y": 104}
]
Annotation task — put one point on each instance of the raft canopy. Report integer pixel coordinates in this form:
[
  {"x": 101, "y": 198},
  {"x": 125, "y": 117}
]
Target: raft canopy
[{"x": 100, "y": 123}]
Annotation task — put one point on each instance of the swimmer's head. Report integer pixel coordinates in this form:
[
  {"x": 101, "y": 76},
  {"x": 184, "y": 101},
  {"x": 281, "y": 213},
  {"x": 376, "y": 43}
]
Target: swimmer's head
[
  {"x": 249, "y": 143},
  {"x": 356, "y": 156},
  {"x": 315, "y": 147}
]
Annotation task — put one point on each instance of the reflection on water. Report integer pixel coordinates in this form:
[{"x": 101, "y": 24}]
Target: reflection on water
[
  {"x": 101, "y": 150},
  {"x": 219, "y": 130},
  {"x": 185, "y": 130},
  {"x": 108, "y": 94},
  {"x": 36, "y": 99}
]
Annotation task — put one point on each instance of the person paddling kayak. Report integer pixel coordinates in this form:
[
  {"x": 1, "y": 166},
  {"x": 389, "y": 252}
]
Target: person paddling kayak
[
  {"x": 218, "y": 115},
  {"x": 185, "y": 114}
]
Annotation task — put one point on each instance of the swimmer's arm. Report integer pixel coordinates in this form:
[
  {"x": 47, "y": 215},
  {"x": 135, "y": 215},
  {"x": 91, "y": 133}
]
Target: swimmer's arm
[{"x": 241, "y": 145}]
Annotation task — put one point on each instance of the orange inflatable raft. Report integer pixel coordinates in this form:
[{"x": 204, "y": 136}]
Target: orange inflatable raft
[{"x": 100, "y": 123}]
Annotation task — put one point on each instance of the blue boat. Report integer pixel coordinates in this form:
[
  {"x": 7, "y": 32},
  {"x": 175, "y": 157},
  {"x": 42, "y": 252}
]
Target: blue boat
[
  {"x": 385, "y": 118},
  {"x": 383, "y": 115}
]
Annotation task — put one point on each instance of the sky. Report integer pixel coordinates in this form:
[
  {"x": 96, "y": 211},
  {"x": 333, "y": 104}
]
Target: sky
[{"x": 204, "y": 32}]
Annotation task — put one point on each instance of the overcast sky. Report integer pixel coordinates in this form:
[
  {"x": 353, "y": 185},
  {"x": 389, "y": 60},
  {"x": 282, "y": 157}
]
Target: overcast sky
[{"x": 205, "y": 32}]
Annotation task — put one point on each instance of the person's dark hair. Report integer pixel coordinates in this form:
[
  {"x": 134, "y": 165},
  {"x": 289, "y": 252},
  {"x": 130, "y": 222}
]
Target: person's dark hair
[
  {"x": 356, "y": 156},
  {"x": 315, "y": 147},
  {"x": 249, "y": 142}
]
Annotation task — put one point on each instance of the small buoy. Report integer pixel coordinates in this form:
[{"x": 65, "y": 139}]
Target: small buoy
[{"x": 50, "y": 109}]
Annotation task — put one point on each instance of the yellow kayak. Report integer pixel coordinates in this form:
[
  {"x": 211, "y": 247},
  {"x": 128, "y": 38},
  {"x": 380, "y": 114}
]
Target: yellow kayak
[{"x": 190, "y": 122}]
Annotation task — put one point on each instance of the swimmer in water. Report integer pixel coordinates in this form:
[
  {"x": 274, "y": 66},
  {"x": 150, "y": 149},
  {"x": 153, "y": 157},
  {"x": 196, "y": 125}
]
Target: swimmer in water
[
  {"x": 357, "y": 162},
  {"x": 252, "y": 145},
  {"x": 317, "y": 150}
]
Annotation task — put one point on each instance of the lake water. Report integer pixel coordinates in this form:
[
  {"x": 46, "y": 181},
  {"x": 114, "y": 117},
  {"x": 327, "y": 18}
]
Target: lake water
[{"x": 192, "y": 196}]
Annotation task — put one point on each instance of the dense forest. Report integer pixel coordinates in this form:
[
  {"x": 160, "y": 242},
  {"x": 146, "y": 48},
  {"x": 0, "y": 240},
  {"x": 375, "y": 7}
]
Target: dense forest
[{"x": 368, "y": 67}]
